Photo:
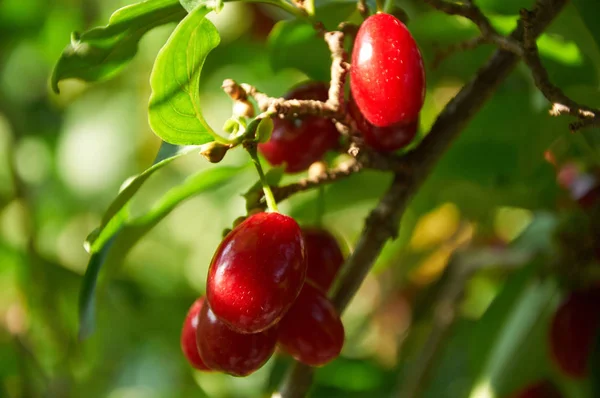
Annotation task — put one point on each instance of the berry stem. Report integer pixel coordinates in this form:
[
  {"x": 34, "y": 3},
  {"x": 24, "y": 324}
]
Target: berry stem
[{"x": 271, "y": 203}]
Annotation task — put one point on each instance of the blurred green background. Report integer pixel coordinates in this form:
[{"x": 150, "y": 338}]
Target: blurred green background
[{"x": 64, "y": 158}]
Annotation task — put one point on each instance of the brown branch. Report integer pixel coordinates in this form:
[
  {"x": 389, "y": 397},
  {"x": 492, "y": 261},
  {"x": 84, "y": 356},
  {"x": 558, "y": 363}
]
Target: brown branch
[
  {"x": 525, "y": 46},
  {"x": 383, "y": 222},
  {"x": 339, "y": 70},
  {"x": 363, "y": 9},
  {"x": 326, "y": 177},
  {"x": 489, "y": 35},
  {"x": 561, "y": 103}
]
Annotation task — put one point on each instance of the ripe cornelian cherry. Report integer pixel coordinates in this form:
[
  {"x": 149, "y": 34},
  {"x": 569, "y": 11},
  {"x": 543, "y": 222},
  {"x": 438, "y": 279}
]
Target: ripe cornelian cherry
[
  {"x": 188, "y": 336},
  {"x": 300, "y": 142},
  {"x": 573, "y": 329},
  {"x": 324, "y": 257},
  {"x": 312, "y": 331},
  {"x": 257, "y": 272},
  {"x": 387, "y": 77},
  {"x": 230, "y": 352},
  {"x": 384, "y": 139},
  {"x": 541, "y": 389}
]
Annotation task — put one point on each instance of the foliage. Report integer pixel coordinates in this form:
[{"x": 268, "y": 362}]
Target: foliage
[{"x": 66, "y": 156}]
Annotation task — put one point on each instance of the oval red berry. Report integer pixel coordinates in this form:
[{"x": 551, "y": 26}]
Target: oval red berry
[
  {"x": 257, "y": 272},
  {"x": 312, "y": 331},
  {"x": 225, "y": 350},
  {"x": 188, "y": 336},
  {"x": 384, "y": 139},
  {"x": 541, "y": 389},
  {"x": 324, "y": 257},
  {"x": 573, "y": 329},
  {"x": 300, "y": 142},
  {"x": 387, "y": 77}
]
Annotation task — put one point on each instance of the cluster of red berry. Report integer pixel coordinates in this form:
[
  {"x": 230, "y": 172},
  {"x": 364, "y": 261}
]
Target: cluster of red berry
[
  {"x": 268, "y": 279},
  {"x": 387, "y": 83},
  {"x": 267, "y": 284}
]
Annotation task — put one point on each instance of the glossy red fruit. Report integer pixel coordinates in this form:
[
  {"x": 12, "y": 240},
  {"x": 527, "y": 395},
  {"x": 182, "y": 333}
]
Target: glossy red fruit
[
  {"x": 573, "y": 330},
  {"x": 231, "y": 352},
  {"x": 257, "y": 272},
  {"x": 324, "y": 257},
  {"x": 384, "y": 139},
  {"x": 302, "y": 141},
  {"x": 542, "y": 389},
  {"x": 312, "y": 331},
  {"x": 387, "y": 77},
  {"x": 188, "y": 336}
]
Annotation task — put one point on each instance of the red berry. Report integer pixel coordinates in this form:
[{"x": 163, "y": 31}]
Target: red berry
[
  {"x": 324, "y": 257},
  {"x": 573, "y": 329},
  {"x": 542, "y": 389},
  {"x": 302, "y": 141},
  {"x": 384, "y": 139},
  {"x": 234, "y": 353},
  {"x": 387, "y": 78},
  {"x": 188, "y": 336},
  {"x": 257, "y": 272},
  {"x": 312, "y": 331}
]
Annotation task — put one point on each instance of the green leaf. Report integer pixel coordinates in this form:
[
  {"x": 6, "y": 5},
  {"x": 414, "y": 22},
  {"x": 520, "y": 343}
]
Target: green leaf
[
  {"x": 116, "y": 214},
  {"x": 200, "y": 182},
  {"x": 503, "y": 337},
  {"x": 174, "y": 111},
  {"x": 191, "y": 5},
  {"x": 101, "y": 240},
  {"x": 125, "y": 233},
  {"x": 520, "y": 353},
  {"x": 264, "y": 130},
  {"x": 87, "y": 294},
  {"x": 290, "y": 43},
  {"x": 102, "y": 52}
]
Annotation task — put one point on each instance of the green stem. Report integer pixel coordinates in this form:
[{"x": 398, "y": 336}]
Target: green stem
[
  {"x": 271, "y": 203},
  {"x": 388, "y": 5},
  {"x": 379, "y": 5},
  {"x": 320, "y": 205}
]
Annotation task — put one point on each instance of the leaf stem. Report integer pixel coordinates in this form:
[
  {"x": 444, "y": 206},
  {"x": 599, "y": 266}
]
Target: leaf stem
[{"x": 271, "y": 203}]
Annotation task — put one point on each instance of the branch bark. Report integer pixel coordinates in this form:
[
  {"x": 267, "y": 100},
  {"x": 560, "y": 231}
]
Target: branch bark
[{"x": 384, "y": 221}]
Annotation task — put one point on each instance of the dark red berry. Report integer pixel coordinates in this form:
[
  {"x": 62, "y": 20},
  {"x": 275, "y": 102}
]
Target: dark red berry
[
  {"x": 384, "y": 139},
  {"x": 312, "y": 331},
  {"x": 188, "y": 336},
  {"x": 227, "y": 351},
  {"x": 257, "y": 272},
  {"x": 300, "y": 142},
  {"x": 324, "y": 257},
  {"x": 387, "y": 78},
  {"x": 542, "y": 389},
  {"x": 573, "y": 329}
]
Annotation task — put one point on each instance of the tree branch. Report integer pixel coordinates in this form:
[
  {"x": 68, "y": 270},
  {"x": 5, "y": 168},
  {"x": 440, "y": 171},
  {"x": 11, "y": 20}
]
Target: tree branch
[
  {"x": 383, "y": 222},
  {"x": 561, "y": 103}
]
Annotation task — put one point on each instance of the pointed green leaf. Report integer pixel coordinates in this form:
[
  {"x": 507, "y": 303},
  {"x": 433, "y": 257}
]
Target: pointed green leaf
[
  {"x": 174, "y": 112},
  {"x": 264, "y": 130},
  {"x": 124, "y": 234},
  {"x": 202, "y": 181},
  {"x": 116, "y": 214},
  {"x": 102, "y": 52}
]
